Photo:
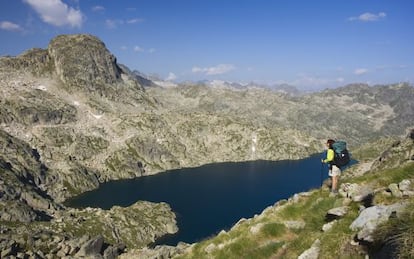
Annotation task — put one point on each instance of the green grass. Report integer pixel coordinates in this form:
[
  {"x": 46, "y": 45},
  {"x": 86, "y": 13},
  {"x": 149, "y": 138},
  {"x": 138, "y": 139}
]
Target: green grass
[
  {"x": 372, "y": 150},
  {"x": 273, "y": 229},
  {"x": 387, "y": 176},
  {"x": 398, "y": 232},
  {"x": 335, "y": 242}
]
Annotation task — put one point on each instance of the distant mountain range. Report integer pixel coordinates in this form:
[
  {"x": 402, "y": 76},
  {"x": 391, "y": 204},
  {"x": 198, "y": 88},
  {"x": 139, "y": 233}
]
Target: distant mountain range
[{"x": 150, "y": 81}]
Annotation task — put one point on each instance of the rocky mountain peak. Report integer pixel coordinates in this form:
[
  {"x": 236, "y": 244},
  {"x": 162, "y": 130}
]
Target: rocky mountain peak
[{"x": 83, "y": 60}]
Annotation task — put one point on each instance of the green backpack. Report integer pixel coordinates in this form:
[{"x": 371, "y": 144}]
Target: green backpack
[{"x": 342, "y": 157}]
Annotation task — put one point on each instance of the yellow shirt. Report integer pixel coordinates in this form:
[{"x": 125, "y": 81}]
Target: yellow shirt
[{"x": 330, "y": 154}]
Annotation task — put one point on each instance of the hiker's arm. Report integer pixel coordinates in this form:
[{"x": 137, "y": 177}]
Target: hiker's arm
[{"x": 329, "y": 156}]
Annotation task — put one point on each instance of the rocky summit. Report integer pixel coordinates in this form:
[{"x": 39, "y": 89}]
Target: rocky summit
[{"x": 71, "y": 118}]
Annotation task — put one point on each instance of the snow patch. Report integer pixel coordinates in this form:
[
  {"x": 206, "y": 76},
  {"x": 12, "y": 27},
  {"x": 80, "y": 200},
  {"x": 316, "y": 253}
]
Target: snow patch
[
  {"x": 97, "y": 116},
  {"x": 165, "y": 84},
  {"x": 41, "y": 87}
]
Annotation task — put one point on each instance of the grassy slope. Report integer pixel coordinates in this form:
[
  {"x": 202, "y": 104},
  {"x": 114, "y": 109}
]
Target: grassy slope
[{"x": 267, "y": 235}]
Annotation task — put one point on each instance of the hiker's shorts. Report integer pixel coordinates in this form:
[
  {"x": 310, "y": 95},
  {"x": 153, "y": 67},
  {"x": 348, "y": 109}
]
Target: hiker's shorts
[{"x": 335, "y": 171}]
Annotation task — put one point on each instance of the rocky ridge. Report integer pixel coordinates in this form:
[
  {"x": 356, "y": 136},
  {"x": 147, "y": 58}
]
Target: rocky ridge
[{"x": 71, "y": 118}]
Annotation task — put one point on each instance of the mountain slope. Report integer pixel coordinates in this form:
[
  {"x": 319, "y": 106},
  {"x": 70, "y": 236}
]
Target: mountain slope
[{"x": 355, "y": 112}]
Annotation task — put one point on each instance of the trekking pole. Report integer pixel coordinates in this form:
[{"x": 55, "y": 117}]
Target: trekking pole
[
  {"x": 322, "y": 169},
  {"x": 321, "y": 173}
]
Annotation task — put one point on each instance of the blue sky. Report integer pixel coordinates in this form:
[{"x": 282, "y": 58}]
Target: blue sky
[{"x": 311, "y": 44}]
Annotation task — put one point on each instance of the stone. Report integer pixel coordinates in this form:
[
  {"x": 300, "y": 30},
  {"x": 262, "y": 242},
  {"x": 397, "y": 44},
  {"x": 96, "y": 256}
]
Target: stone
[
  {"x": 112, "y": 252},
  {"x": 405, "y": 185},
  {"x": 338, "y": 212},
  {"x": 395, "y": 191},
  {"x": 256, "y": 228},
  {"x": 369, "y": 218},
  {"x": 312, "y": 252},
  {"x": 328, "y": 226},
  {"x": 294, "y": 224},
  {"x": 408, "y": 193},
  {"x": 91, "y": 247},
  {"x": 210, "y": 248}
]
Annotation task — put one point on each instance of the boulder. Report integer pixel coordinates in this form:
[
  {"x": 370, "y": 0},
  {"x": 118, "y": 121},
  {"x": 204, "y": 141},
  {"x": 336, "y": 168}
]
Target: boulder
[
  {"x": 405, "y": 185},
  {"x": 337, "y": 212},
  {"x": 355, "y": 191},
  {"x": 369, "y": 218},
  {"x": 328, "y": 226},
  {"x": 91, "y": 247},
  {"x": 395, "y": 191},
  {"x": 312, "y": 252}
]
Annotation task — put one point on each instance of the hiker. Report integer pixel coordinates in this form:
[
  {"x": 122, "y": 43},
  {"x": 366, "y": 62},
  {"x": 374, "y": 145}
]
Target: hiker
[{"x": 334, "y": 170}]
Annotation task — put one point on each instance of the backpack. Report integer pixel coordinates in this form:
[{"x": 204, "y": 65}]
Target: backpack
[{"x": 341, "y": 153}]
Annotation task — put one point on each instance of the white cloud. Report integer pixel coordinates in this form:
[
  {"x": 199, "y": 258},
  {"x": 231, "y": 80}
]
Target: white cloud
[
  {"x": 314, "y": 82},
  {"x": 9, "y": 26},
  {"x": 217, "y": 70},
  {"x": 98, "y": 8},
  {"x": 136, "y": 20},
  {"x": 340, "y": 80},
  {"x": 360, "y": 71},
  {"x": 368, "y": 17},
  {"x": 138, "y": 49},
  {"x": 112, "y": 24},
  {"x": 57, "y": 13},
  {"x": 171, "y": 77},
  {"x": 402, "y": 66}
]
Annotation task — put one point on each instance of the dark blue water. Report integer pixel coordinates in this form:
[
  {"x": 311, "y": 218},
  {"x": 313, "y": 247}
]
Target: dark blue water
[{"x": 213, "y": 197}]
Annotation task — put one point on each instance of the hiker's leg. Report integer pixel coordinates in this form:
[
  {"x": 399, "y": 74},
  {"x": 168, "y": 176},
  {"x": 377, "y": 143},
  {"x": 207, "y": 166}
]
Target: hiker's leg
[
  {"x": 336, "y": 172},
  {"x": 334, "y": 183},
  {"x": 331, "y": 178}
]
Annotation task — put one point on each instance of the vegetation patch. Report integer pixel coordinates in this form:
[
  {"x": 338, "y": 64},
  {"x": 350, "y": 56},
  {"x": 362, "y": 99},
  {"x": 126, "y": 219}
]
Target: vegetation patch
[{"x": 395, "y": 238}]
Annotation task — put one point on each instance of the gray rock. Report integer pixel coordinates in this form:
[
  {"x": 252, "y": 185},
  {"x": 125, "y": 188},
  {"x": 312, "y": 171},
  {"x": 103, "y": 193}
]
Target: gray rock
[
  {"x": 91, "y": 247},
  {"x": 355, "y": 192},
  {"x": 114, "y": 251},
  {"x": 369, "y": 218},
  {"x": 256, "y": 228},
  {"x": 312, "y": 252},
  {"x": 408, "y": 193},
  {"x": 210, "y": 248},
  {"x": 81, "y": 59},
  {"x": 294, "y": 224},
  {"x": 395, "y": 191},
  {"x": 328, "y": 226},
  {"x": 405, "y": 185},
  {"x": 338, "y": 212}
]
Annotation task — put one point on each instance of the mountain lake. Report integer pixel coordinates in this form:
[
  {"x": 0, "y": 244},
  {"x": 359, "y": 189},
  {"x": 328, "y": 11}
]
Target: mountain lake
[{"x": 212, "y": 197}]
